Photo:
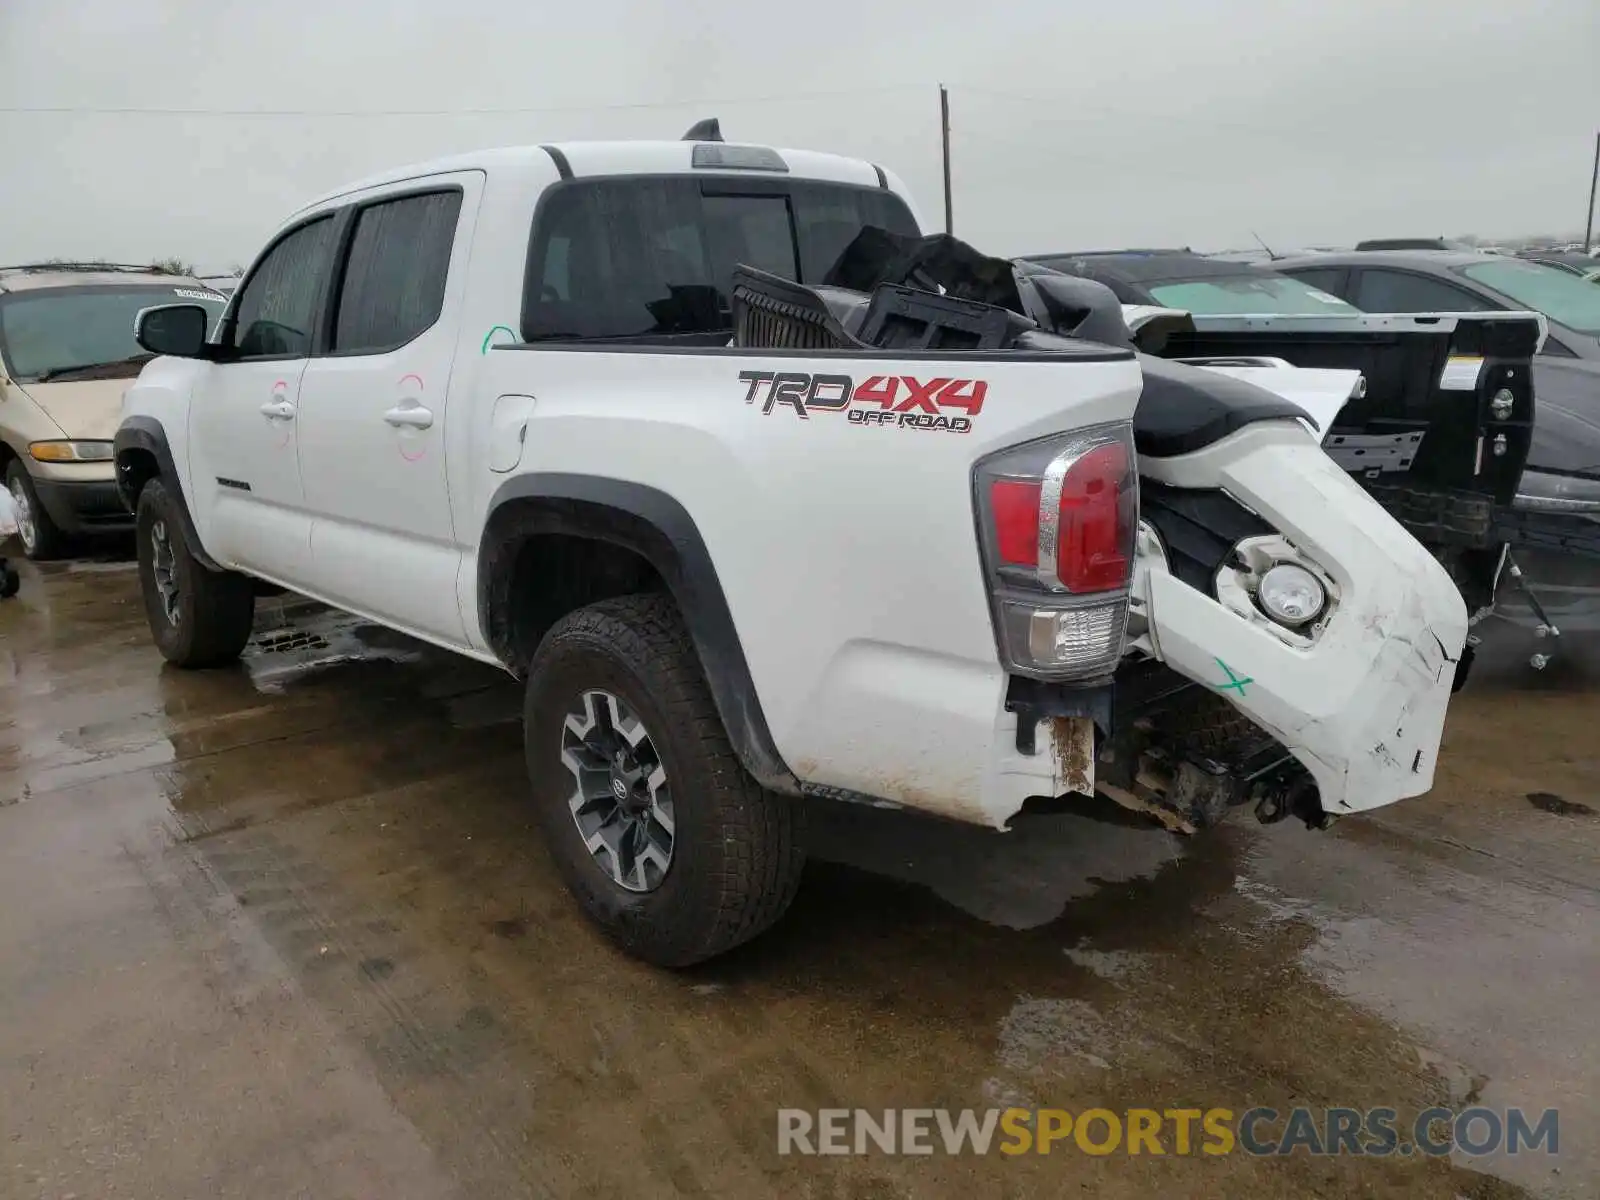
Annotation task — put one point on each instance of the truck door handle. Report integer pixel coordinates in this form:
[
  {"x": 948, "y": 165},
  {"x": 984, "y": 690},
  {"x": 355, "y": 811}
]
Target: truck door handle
[
  {"x": 412, "y": 417},
  {"x": 280, "y": 410}
]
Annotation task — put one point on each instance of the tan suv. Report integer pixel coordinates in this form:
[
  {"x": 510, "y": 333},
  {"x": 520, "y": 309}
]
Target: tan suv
[{"x": 66, "y": 356}]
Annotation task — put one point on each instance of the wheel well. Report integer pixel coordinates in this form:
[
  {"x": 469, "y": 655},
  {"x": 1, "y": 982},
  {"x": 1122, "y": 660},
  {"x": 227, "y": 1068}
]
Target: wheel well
[
  {"x": 554, "y": 543},
  {"x": 553, "y": 574},
  {"x": 135, "y": 468}
]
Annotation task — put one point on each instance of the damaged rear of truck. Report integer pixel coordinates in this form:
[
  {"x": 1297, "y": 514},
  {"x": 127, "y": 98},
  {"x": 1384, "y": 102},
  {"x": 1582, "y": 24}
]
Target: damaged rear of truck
[{"x": 1254, "y": 544}]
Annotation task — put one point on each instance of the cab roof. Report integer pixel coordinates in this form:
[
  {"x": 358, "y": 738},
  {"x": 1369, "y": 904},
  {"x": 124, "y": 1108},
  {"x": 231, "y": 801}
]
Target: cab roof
[{"x": 587, "y": 159}]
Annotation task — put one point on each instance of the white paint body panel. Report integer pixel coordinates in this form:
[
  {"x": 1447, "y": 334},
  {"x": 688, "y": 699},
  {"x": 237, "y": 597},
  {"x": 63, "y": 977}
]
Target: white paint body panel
[
  {"x": 1363, "y": 708},
  {"x": 383, "y": 536},
  {"x": 1321, "y": 391},
  {"x": 848, "y": 554}
]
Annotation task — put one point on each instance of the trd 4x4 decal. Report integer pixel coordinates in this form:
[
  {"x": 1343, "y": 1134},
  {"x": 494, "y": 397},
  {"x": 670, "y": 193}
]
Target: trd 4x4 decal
[{"x": 902, "y": 401}]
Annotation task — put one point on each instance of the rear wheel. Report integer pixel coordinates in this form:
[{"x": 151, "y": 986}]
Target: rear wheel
[
  {"x": 670, "y": 847},
  {"x": 41, "y": 537},
  {"x": 198, "y": 617}
]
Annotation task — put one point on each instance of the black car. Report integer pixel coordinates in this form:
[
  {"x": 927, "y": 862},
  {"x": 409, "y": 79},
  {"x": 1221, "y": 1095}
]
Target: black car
[
  {"x": 1558, "y": 506},
  {"x": 1564, "y": 464},
  {"x": 1207, "y": 286},
  {"x": 1574, "y": 262}
]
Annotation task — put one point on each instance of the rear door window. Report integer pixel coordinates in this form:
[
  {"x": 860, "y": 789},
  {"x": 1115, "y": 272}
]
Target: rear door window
[
  {"x": 395, "y": 271},
  {"x": 651, "y": 256},
  {"x": 1333, "y": 280},
  {"x": 1384, "y": 291}
]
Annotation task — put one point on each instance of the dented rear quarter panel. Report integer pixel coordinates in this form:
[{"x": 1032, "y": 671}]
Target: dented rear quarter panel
[{"x": 848, "y": 552}]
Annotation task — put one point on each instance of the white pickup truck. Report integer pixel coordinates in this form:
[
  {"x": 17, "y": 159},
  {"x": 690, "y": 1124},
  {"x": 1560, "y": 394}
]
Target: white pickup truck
[{"x": 497, "y": 402}]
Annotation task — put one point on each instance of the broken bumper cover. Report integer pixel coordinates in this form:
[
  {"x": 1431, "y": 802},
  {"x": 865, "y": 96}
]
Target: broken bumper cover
[{"x": 1361, "y": 701}]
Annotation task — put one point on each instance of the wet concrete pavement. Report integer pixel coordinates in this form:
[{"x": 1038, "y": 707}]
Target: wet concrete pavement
[{"x": 286, "y": 930}]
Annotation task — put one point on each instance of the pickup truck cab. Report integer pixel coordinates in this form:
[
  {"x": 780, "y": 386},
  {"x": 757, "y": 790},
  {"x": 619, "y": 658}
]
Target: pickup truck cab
[{"x": 496, "y": 402}]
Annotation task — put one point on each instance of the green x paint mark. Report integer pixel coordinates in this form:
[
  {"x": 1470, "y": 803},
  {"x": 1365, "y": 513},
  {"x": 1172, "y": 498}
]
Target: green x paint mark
[
  {"x": 1235, "y": 683},
  {"x": 488, "y": 337}
]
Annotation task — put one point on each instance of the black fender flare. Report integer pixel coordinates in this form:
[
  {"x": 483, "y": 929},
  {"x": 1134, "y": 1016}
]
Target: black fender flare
[
  {"x": 655, "y": 526},
  {"x": 147, "y": 434}
]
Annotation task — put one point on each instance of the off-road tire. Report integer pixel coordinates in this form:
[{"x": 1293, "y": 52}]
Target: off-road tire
[
  {"x": 737, "y": 848},
  {"x": 216, "y": 610},
  {"x": 49, "y": 539}
]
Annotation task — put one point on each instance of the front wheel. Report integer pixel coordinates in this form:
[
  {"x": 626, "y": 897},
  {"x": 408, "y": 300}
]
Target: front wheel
[
  {"x": 41, "y": 537},
  {"x": 198, "y": 617},
  {"x": 670, "y": 847}
]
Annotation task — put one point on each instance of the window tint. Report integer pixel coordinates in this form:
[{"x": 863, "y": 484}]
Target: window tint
[
  {"x": 653, "y": 256},
  {"x": 1250, "y": 295},
  {"x": 1327, "y": 279},
  {"x": 828, "y": 217},
  {"x": 1564, "y": 298},
  {"x": 279, "y": 302},
  {"x": 1380, "y": 291},
  {"x": 754, "y": 230},
  {"x": 393, "y": 285}
]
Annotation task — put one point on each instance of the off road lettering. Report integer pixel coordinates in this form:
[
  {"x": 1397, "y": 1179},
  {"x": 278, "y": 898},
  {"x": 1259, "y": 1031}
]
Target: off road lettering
[{"x": 897, "y": 401}]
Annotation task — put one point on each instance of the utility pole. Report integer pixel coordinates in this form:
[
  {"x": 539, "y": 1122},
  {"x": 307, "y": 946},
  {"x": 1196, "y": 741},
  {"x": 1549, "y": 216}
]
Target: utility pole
[
  {"x": 944, "y": 134},
  {"x": 1588, "y": 228}
]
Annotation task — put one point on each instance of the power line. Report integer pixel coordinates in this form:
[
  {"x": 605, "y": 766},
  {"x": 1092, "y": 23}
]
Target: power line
[{"x": 133, "y": 111}]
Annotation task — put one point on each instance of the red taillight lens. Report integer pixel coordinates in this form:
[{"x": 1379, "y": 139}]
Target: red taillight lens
[
  {"x": 1098, "y": 514},
  {"x": 1057, "y": 518},
  {"x": 1015, "y": 504}
]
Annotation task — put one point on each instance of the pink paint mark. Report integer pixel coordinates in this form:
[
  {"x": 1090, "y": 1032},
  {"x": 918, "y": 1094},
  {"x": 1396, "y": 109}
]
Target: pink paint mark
[
  {"x": 420, "y": 385},
  {"x": 281, "y": 386},
  {"x": 422, "y": 452}
]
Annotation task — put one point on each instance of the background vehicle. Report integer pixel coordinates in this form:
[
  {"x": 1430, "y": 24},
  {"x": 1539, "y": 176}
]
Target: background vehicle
[
  {"x": 1440, "y": 466},
  {"x": 1556, "y": 514},
  {"x": 901, "y": 568},
  {"x": 1412, "y": 243},
  {"x": 1576, "y": 262},
  {"x": 67, "y": 352}
]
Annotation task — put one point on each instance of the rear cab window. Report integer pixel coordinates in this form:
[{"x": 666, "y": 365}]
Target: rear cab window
[{"x": 649, "y": 256}]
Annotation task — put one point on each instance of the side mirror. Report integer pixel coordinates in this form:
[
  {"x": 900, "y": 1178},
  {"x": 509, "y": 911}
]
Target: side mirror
[{"x": 178, "y": 330}]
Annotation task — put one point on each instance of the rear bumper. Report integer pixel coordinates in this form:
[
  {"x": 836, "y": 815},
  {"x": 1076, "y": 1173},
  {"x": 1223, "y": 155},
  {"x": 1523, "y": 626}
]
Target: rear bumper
[
  {"x": 84, "y": 506},
  {"x": 1361, "y": 705}
]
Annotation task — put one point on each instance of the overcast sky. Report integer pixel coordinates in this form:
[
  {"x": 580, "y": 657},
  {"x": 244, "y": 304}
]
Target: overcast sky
[{"x": 1076, "y": 124}]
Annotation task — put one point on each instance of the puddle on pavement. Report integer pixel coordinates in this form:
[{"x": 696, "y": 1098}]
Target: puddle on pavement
[
  {"x": 356, "y": 801},
  {"x": 1557, "y": 807}
]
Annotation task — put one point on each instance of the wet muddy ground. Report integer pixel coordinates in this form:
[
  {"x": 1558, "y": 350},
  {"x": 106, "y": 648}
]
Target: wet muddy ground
[{"x": 286, "y": 930}]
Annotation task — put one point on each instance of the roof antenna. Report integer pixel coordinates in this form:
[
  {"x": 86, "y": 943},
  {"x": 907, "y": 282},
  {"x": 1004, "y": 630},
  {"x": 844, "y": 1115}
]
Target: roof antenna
[
  {"x": 1270, "y": 255},
  {"x": 704, "y": 131}
]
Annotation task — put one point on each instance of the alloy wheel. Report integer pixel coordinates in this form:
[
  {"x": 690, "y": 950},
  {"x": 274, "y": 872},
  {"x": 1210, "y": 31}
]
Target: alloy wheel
[
  {"x": 164, "y": 568},
  {"x": 620, "y": 799}
]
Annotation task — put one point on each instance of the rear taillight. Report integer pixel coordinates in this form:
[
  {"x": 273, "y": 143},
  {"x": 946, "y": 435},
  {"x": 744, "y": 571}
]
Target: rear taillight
[{"x": 1058, "y": 519}]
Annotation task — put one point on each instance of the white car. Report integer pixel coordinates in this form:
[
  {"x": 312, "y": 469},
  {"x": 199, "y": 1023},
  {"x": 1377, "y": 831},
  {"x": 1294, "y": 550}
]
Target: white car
[{"x": 493, "y": 402}]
